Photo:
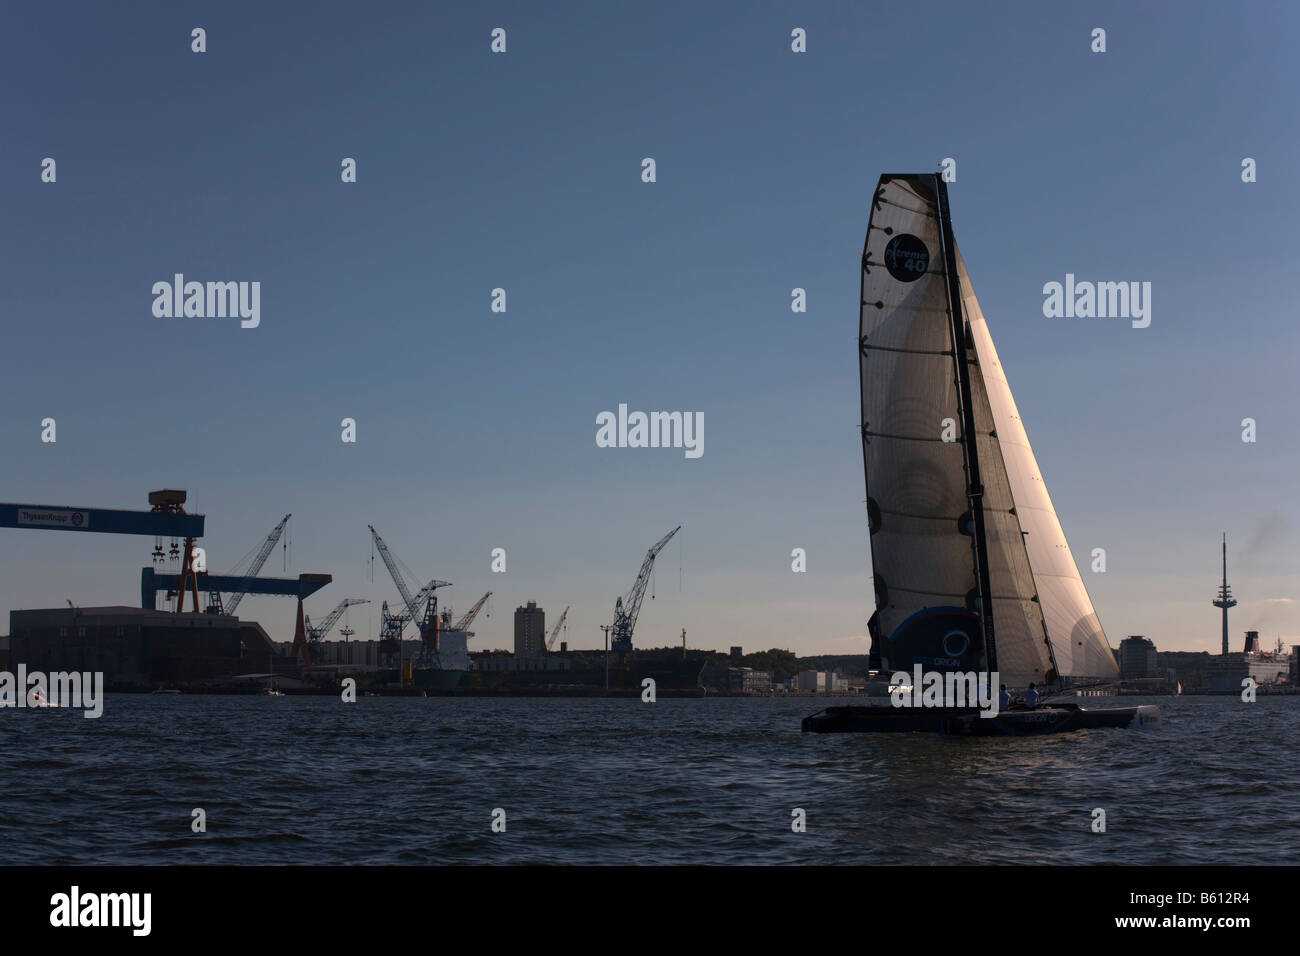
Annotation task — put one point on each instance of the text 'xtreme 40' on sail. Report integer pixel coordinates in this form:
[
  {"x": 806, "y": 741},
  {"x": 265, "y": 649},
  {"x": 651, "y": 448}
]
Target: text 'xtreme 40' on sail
[{"x": 973, "y": 576}]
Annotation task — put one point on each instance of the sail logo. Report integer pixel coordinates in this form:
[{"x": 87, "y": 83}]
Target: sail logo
[
  {"x": 1101, "y": 300},
  {"x": 56, "y": 689},
  {"x": 211, "y": 300},
  {"x": 906, "y": 258},
  {"x": 654, "y": 430},
  {"x": 945, "y": 689}
]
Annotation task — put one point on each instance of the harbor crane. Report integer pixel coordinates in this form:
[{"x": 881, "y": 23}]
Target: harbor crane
[
  {"x": 627, "y": 609},
  {"x": 166, "y": 516},
  {"x": 315, "y": 634},
  {"x": 215, "y": 604},
  {"x": 421, "y": 607},
  {"x": 550, "y": 641},
  {"x": 467, "y": 618}
]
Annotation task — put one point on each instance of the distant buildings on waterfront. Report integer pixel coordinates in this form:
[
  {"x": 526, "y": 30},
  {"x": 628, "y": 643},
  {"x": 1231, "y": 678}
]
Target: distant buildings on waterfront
[
  {"x": 749, "y": 681},
  {"x": 736, "y": 680},
  {"x": 530, "y": 630},
  {"x": 139, "y": 648},
  {"x": 1137, "y": 658}
]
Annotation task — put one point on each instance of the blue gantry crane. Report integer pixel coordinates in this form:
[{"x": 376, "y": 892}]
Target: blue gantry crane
[
  {"x": 627, "y": 609},
  {"x": 235, "y": 585},
  {"x": 166, "y": 518}
]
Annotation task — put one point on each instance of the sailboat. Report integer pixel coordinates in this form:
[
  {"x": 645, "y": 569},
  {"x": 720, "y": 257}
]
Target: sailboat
[
  {"x": 972, "y": 572},
  {"x": 270, "y": 690}
]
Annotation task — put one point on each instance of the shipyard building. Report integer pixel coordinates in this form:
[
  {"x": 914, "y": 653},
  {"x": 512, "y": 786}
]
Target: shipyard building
[
  {"x": 736, "y": 680},
  {"x": 136, "y": 647},
  {"x": 453, "y": 652}
]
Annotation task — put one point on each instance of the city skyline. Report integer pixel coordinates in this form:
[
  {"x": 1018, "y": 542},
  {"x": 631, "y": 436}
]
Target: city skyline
[{"x": 477, "y": 430}]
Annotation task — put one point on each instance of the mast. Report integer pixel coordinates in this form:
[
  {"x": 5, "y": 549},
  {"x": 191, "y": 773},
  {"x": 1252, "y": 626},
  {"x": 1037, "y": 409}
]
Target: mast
[
  {"x": 974, "y": 487},
  {"x": 1224, "y": 599}
]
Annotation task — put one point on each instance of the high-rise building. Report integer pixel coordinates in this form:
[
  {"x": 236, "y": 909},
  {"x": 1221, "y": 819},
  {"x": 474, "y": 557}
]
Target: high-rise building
[
  {"x": 1137, "y": 658},
  {"x": 530, "y": 630}
]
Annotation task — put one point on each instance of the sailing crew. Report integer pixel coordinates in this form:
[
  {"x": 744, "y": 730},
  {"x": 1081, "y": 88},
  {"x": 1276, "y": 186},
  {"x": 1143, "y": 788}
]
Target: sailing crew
[
  {"x": 1004, "y": 699},
  {"x": 1031, "y": 697}
]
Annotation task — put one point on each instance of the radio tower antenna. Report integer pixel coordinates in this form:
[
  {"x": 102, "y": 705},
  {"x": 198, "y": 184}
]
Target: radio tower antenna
[{"x": 1224, "y": 600}]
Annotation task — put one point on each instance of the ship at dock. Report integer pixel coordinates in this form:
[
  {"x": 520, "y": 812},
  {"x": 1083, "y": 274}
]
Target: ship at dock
[{"x": 1269, "y": 672}]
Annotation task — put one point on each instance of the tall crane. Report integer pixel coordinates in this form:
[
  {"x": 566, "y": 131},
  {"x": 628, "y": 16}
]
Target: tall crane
[
  {"x": 422, "y": 607},
  {"x": 627, "y": 609},
  {"x": 318, "y": 633},
  {"x": 215, "y": 605},
  {"x": 468, "y": 617},
  {"x": 550, "y": 641}
]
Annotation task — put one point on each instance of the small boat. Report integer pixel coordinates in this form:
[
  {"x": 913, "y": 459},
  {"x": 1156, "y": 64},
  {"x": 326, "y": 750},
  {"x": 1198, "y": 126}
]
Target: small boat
[
  {"x": 166, "y": 690},
  {"x": 270, "y": 691},
  {"x": 971, "y": 570}
]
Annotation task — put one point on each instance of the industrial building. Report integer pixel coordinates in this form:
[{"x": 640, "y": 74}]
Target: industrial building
[
  {"x": 818, "y": 682},
  {"x": 453, "y": 651},
  {"x": 736, "y": 680},
  {"x": 489, "y": 662},
  {"x": 138, "y": 648}
]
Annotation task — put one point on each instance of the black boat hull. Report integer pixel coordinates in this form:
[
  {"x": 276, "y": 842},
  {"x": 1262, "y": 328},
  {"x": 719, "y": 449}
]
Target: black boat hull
[{"x": 965, "y": 722}]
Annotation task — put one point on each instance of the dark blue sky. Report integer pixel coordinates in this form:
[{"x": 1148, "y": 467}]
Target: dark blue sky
[{"x": 476, "y": 429}]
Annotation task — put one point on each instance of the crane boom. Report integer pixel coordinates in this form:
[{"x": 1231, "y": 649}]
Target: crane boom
[
  {"x": 627, "y": 609},
  {"x": 413, "y": 603},
  {"x": 464, "y": 623},
  {"x": 407, "y": 601},
  {"x": 318, "y": 633},
  {"x": 267, "y": 547},
  {"x": 550, "y": 641}
]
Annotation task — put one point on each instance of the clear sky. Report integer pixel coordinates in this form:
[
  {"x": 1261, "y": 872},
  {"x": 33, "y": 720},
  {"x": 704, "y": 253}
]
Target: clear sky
[{"x": 476, "y": 430}]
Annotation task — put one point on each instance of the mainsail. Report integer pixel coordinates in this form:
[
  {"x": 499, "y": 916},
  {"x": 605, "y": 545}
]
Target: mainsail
[{"x": 934, "y": 529}]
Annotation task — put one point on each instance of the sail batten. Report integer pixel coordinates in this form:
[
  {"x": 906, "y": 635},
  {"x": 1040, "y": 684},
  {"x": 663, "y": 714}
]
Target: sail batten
[
  {"x": 922, "y": 558},
  {"x": 938, "y": 538}
]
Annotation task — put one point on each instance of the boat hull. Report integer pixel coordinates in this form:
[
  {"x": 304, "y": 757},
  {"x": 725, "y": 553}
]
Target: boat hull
[{"x": 964, "y": 722}]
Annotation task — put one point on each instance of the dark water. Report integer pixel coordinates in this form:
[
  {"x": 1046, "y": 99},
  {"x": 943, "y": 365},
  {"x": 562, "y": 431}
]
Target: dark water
[{"x": 406, "y": 780}]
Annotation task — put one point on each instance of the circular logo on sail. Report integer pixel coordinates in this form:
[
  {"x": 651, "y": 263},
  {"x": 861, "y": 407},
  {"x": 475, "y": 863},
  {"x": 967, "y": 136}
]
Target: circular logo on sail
[
  {"x": 906, "y": 258},
  {"x": 956, "y": 643}
]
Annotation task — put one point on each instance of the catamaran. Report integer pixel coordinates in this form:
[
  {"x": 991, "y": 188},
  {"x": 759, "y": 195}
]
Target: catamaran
[{"x": 972, "y": 572}]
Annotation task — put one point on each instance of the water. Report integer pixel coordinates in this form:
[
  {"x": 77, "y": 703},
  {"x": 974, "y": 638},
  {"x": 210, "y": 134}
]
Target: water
[{"x": 409, "y": 780}]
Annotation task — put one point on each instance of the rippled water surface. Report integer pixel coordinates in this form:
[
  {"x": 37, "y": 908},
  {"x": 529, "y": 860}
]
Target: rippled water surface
[{"x": 410, "y": 780}]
